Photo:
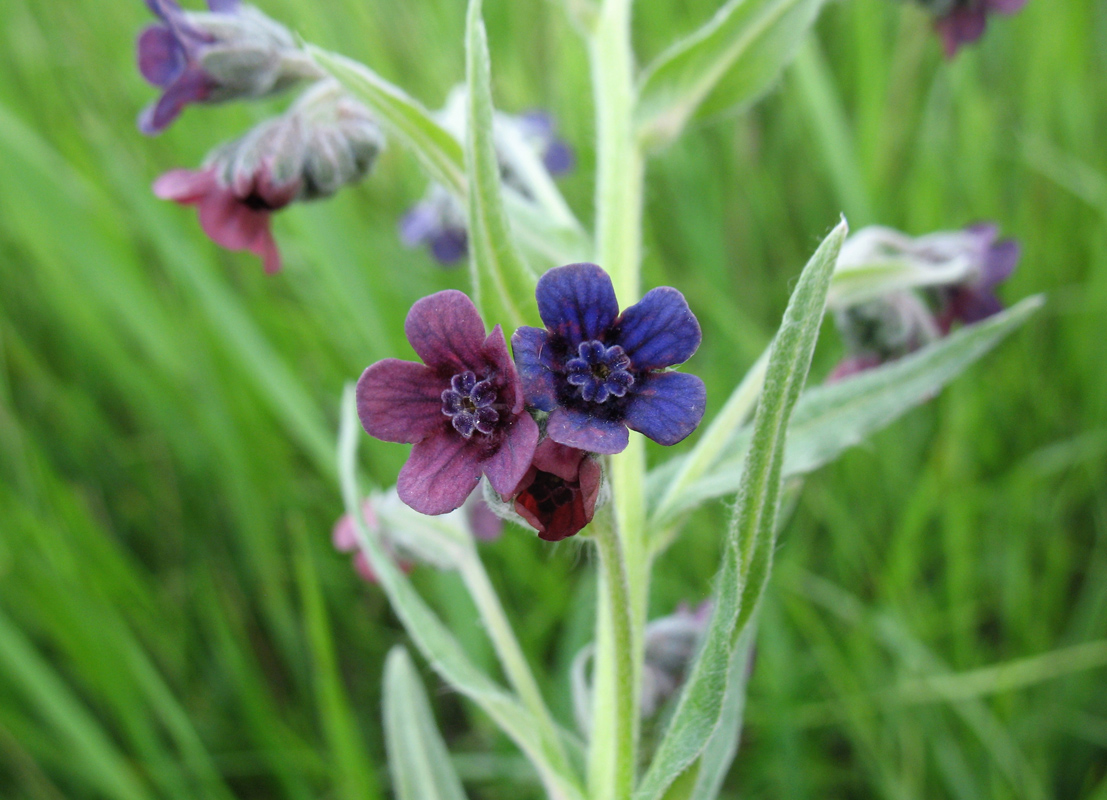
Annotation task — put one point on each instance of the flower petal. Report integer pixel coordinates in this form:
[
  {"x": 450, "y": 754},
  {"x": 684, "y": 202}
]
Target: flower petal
[
  {"x": 400, "y": 401},
  {"x": 960, "y": 27},
  {"x": 447, "y": 332},
  {"x": 506, "y": 467},
  {"x": 559, "y": 459},
  {"x": 580, "y": 429},
  {"x": 577, "y": 302},
  {"x": 494, "y": 352},
  {"x": 440, "y": 473},
  {"x": 160, "y": 56},
  {"x": 185, "y": 185},
  {"x": 539, "y": 382},
  {"x": 668, "y": 407},
  {"x": 449, "y": 245},
  {"x": 1002, "y": 258},
  {"x": 1005, "y": 6},
  {"x": 191, "y": 86},
  {"x": 224, "y": 6},
  {"x": 659, "y": 330}
]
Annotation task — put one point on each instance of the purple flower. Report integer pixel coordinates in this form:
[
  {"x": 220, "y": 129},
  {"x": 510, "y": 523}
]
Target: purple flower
[
  {"x": 599, "y": 372},
  {"x": 965, "y": 21},
  {"x": 670, "y": 644},
  {"x": 438, "y": 221},
  {"x": 232, "y": 52},
  {"x": 462, "y": 408},
  {"x": 539, "y": 129},
  {"x": 557, "y": 496},
  {"x": 974, "y": 299}
]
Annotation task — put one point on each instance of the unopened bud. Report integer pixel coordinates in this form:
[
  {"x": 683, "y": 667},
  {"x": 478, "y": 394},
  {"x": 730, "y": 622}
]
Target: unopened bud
[{"x": 231, "y": 52}]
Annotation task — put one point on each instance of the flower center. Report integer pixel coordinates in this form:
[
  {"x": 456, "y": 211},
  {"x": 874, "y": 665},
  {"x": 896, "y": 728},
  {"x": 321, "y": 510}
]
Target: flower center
[
  {"x": 468, "y": 404},
  {"x": 599, "y": 372}
]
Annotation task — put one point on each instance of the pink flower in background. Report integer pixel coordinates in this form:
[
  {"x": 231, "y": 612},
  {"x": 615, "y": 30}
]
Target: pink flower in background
[{"x": 234, "y": 218}]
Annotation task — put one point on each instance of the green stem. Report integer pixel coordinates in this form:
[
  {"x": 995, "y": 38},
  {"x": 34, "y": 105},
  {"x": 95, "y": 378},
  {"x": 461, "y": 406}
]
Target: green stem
[
  {"x": 619, "y": 164},
  {"x": 621, "y": 542},
  {"x": 615, "y": 711},
  {"x": 507, "y": 647}
]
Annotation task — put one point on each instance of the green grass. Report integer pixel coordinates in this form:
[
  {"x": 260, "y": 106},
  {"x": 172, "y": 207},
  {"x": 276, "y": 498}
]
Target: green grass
[{"x": 173, "y": 621}]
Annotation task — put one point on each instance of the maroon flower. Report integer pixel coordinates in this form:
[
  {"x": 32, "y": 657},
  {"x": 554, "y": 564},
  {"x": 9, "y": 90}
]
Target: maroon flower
[
  {"x": 974, "y": 299},
  {"x": 966, "y": 21},
  {"x": 462, "y": 408},
  {"x": 236, "y": 218},
  {"x": 557, "y": 496}
]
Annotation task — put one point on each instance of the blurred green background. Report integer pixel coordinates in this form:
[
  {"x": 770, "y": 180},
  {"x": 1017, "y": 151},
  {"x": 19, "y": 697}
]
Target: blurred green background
[{"x": 173, "y": 620}]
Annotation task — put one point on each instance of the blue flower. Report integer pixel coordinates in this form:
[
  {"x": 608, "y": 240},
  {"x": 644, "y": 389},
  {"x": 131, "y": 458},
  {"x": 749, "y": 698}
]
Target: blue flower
[{"x": 598, "y": 372}]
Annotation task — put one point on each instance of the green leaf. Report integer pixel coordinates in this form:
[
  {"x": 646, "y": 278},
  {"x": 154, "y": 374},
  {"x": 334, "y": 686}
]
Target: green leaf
[
  {"x": 435, "y": 641},
  {"x": 832, "y": 418},
  {"x": 748, "y": 552},
  {"x": 502, "y": 282},
  {"x": 417, "y": 757},
  {"x": 728, "y": 63}
]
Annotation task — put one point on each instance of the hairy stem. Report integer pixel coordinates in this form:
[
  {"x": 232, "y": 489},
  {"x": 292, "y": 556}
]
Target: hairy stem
[
  {"x": 507, "y": 647},
  {"x": 621, "y": 542},
  {"x": 615, "y": 708}
]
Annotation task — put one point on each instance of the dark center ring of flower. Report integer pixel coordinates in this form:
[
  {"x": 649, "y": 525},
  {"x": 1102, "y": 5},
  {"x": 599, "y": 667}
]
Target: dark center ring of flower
[
  {"x": 468, "y": 403},
  {"x": 599, "y": 372}
]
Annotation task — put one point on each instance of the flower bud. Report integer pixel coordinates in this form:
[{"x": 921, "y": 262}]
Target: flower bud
[
  {"x": 671, "y": 642},
  {"x": 957, "y": 271},
  {"x": 412, "y": 538},
  {"x": 325, "y": 141},
  {"x": 557, "y": 495},
  {"x": 231, "y": 52},
  {"x": 670, "y": 645}
]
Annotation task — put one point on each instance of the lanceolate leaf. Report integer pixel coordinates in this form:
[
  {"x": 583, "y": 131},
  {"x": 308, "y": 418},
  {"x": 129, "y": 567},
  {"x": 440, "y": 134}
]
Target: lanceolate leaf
[
  {"x": 417, "y": 756},
  {"x": 502, "y": 283},
  {"x": 748, "y": 551},
  {"x": 728, "y": 63},
  {"x": 830, "y": 419},
  {"x": 438, "y": 645}
]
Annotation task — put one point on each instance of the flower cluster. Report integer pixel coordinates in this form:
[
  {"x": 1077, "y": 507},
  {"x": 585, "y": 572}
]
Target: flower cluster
[
  {"x": 962, "y": 270},
  {"x": 524, "y": 144},
  {"x": 322, "y": 143},
  {"x": 590, "y": 375}
]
